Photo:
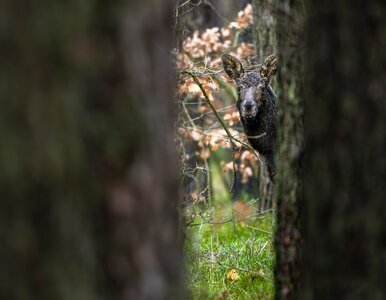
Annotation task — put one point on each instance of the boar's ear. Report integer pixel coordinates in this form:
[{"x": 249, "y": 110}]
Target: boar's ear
[
  {"x": 268, "y": 69},
  {"x": 232, "y": 66}
]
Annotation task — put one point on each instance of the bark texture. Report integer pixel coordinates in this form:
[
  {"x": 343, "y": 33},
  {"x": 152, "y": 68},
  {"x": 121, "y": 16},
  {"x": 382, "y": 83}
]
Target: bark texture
[
  {"x": 289, "y": 147},
  {"x": 265, "y": 39},
  {"x": 264, "y": 27}
]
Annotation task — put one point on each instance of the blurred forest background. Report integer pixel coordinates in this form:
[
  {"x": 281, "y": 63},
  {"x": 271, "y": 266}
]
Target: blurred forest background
[{"x": 125, "y": 173}]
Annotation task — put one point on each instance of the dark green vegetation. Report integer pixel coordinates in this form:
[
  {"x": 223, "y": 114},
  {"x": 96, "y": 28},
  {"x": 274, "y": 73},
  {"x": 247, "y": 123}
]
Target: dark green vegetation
[{"x": 213, "y": 250}]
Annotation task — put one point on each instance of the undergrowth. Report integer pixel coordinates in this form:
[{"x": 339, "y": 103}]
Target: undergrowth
[
  {"x": 228, "y": 244},
  {"x": 229, "y": 252}
]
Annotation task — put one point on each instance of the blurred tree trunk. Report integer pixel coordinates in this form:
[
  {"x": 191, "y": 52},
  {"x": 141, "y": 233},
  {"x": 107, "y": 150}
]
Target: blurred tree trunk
[
  {"x": 289, "y": 147},
  {"x": 88, "y": 176},
  {"x": 344, "y": 223}
]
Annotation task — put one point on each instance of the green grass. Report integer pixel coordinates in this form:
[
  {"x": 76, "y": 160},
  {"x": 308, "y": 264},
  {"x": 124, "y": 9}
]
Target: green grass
[{"x": 221, "y": 238}]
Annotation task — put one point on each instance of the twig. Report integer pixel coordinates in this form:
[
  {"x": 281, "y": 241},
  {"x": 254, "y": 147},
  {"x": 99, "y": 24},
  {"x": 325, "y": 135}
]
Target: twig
[
  {"x": 208, "y": 181},
  {"x": 232, "y": 139},
  {"x": 194, "y": 77},
  {"x": 225, "y": 221},
  {"x": 225, "y": 20},
  {"x": 234, "y": 170},
  {"x": 258, "y": 229},
  {"x": 207, "y": 113},
  {"x": 188, "y": 115},
  {"x": 256, "y": 136},
  {"x": 262, "y": 248}
]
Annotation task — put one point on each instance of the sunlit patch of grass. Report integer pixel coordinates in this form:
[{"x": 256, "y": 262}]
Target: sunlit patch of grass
[{"x": 230, "y": 236}]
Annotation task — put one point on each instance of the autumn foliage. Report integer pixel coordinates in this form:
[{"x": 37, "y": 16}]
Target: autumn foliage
[{"x": 198, "y": 129}]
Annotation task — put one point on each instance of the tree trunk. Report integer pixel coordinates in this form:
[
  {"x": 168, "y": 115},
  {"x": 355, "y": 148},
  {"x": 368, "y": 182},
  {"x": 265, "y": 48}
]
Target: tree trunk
[
  {"x": 264, "y": 28},
  {"x": 264, "y": 35},
  {"x": 344, "y": 224},
  {"x": 88, "y": 176},
  {"x": 289, "y": 147}
]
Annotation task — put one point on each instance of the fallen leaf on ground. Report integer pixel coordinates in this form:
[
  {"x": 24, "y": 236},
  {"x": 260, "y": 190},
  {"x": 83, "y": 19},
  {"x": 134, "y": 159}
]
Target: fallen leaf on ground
[{"x": 232, "y": 275}]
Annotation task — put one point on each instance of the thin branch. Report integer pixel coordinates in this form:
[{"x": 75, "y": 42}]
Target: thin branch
[
  {"x": 234, "y": 170},
  {"x": 224, "y": 19},
  {"x": 208, "y": 182},
  {"x": 227, "y": 220},
  {"x": 262, "y": 248},
  {"x": 194, "y": 77},
  {"x": 256, "y": 136},
  {"x": 207, "y": 113},
  {"x": 258, "y": 229},
  {"x": 232, "y": 139}
]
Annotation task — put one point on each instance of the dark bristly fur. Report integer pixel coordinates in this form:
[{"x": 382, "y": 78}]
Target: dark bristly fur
[{"x": 257, "y": 105}]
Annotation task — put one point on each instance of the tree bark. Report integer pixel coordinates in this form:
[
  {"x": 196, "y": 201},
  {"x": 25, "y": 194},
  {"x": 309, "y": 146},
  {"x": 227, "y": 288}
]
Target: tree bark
[
  {"x": 88, "y": 176},
  {"x": 264, "y": 28},
  {"x": 264, "y": 35},
  {"x": 344, "y": 224},
  {"x": 289, "y": 148}
]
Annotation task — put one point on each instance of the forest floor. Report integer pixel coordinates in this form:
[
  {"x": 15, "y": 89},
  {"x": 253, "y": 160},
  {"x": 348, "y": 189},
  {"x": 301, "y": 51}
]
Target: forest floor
[{"x": 229, "y": 250}]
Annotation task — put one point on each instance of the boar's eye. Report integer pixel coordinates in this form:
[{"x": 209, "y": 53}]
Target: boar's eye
[{"x": 238, "y": 90}]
